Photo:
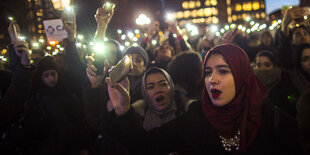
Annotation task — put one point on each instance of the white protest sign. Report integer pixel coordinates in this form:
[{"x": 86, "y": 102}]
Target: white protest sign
[{"x": 54, "y": 30}]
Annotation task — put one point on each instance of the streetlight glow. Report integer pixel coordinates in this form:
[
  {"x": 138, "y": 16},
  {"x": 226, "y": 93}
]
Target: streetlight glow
[
  {"x": 123, "y": 37},
  {"x": 213, "y": 28},
  {"x": 170, "y": 16},
  {"x": 130, "y": 34},
  {"x": 143, "y": 20}
]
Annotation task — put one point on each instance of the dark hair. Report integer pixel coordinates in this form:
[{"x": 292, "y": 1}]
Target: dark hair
[
  {"x": 267, "y": 54},
  {"x": 265, "y": 33},
  {"x": 117, "y": 45},
  {"x": 293, "y": 30},
  {"x": 156, "y": 50},
  {"x": 297, "y": 55},
  {"x": 186, "y": 70},
  {"x": 213, "y": 52},
  {"x": 37, "y": 51}
]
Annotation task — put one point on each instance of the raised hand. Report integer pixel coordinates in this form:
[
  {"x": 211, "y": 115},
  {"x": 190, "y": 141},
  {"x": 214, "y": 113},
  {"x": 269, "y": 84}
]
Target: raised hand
[
  {"x": 95, "y": 80},
  {"x": 153, "y": 29},
  {"x": 119, "y": 96},
  {"x": 174, "y": 28},
  {"x": 102, "y": 20},
  {"x": 70, "y": 26},
  {"x": 22, "y": 51},
  {"x": 12, "y": 34}
]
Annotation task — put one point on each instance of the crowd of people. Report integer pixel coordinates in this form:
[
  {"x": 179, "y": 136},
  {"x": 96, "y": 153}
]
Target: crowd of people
[{"x": 227, "y": 96}]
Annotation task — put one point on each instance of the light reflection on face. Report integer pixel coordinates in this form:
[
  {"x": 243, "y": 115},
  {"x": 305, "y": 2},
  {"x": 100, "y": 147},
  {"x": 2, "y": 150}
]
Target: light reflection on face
[
  {"x": 219, "y": 80},
  {"x": 158, "y": 91}
]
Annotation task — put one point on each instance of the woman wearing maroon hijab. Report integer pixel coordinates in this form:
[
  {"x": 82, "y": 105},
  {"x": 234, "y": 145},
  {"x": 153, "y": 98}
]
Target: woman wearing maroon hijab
[
  {"x": 233, "y": 115},
  {"x": 233, "y": 97}
]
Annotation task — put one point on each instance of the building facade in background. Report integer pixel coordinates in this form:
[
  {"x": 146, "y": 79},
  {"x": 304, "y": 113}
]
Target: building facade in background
[
  {"x": 39, "y": 10},
  {"x": 221, "y": 12}
]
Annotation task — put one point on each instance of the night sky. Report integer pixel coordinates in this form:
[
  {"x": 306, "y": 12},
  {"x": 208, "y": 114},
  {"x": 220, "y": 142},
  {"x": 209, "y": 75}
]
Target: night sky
[
  {"x": 87, "y": 8},
  {"x": 272, "y": 5}
]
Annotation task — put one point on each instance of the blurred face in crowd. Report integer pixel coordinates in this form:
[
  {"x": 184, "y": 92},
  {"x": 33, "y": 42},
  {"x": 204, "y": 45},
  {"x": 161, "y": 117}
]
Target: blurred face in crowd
[
  {"x": 300, "y": 36},
  {"x": 138, "y": 65},
  {"x": 111, "y": 54},
  {"x": 164, "y": 52},
  {"x": 263, "y": 63},
  {"x": 266, "y": 40},
  {"x": 50, "y": 77},
  {"x": 219, "y": 80},
  {"x": 206, "y": 42},
  {"x": 158, "y": 91},
  {"x": 305, "y": 60}
]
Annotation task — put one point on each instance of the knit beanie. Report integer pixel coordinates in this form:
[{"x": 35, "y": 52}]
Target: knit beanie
[
  {"x": 138, "y": 50},
  {"x": 46, "y": 63}
]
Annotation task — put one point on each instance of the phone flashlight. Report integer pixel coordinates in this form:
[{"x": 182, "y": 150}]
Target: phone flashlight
[
  {"x": 108, "y": 7},
  {"x": 69, "y": 11},
  {"x": 170, "y": 17}
]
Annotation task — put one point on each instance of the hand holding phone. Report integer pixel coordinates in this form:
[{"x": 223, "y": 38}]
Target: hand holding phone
[
  {"x": 92, "y": 73},
  {"x": 104, "y": 15},
  {"x": 22, "y": 51},
  {"x": 14, "y": 31},
  {"x": 69, "y": 15},
  {"x": 120, "y": 70},
  {"x": 108, "y": 8}
]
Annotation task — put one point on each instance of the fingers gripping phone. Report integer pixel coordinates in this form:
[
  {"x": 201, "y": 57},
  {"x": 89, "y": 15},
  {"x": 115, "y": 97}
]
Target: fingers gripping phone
[
  {"x": 108, "y": 7},
  {"x": 121, "y": 69},
  {"x": 14, "y": 59},
  {"x": 99, "y": 64},
  {"x": 15, "y": 29},
  {"x": 69, "y": 11}
]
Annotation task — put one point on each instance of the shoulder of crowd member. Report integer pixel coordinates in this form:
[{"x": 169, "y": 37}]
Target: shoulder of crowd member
[
  {"x": 140, "y": 107},
  {"x": 303, "y": 106},
  {"x": 93, "y": 91},
  {"x": 303, "y": 120}
]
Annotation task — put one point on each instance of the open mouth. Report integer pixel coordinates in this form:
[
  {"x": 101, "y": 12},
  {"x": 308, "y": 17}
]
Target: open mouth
[
  {"x": 215, "y": 93},
  {"x": 160, "y": 98}
]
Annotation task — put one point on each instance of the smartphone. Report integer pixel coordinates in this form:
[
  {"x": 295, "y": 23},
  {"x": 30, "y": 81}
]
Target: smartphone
[
  {"x": 120, "y": 70},
  {"x": 16, "y": 29},
  {"x": 108, "y": 7},
  {"x": 99, "y": 64},
  {"x": 14, "y": 60},
  {"x": 69, "y": 11}
]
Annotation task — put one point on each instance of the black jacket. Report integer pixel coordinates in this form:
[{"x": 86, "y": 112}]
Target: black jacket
[{"x": 193, "y": 134}]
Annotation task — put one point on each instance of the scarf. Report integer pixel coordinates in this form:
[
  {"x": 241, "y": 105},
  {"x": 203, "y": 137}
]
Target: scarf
[{"x": 244, "y": 112}]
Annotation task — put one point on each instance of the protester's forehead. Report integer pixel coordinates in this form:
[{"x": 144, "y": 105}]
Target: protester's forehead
[
  {"x": 155, "y": 77},
  {"x": 136, "y": 54}
]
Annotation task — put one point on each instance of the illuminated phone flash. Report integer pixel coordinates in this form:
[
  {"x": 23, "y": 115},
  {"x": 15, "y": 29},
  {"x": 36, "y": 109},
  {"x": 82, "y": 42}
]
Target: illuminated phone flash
[
  {"x": 11, "y": 18},
  {"x": 154, "y": 42},
  {"x": 127, "y": 59},
  {"x": 108, "y": 4},
  {"x": 170, "y": 16},
  {"x": 21, "y": 37}
]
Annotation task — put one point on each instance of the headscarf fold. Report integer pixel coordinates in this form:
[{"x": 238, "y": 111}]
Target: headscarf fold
[{"x": 244, "y": 112}]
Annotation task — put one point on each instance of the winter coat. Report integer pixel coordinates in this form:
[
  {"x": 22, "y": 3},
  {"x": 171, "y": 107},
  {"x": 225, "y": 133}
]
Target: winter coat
[
  {"x": 192, "y": 133},
  {"x": 51, "y": 119}
]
